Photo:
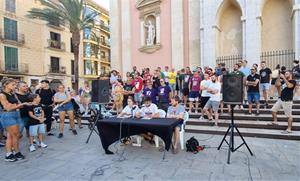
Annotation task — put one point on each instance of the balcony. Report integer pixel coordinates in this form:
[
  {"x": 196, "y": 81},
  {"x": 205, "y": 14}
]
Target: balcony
[
  {"x": 22, "y": 68},
  {"x": 104, "y": 27},
  {"x": 17, "y": 40},
  {"x": 105, "y": 43},
  {"x": 57, "y": 70},
  {"x": 56, "y": 45}
]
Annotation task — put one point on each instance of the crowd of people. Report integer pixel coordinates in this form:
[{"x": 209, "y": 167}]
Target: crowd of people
[
  {"x": 141, "y": 94},
  {"x": 21, "y": 108}
]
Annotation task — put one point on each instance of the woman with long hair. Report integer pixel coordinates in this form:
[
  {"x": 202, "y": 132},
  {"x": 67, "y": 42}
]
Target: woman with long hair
[
  {"x": 10, "y": 119},
  {"x": 63, "y": 99}
]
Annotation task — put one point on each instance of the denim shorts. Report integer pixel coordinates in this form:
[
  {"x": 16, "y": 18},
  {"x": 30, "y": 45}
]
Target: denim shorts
[
  {"x": 212, "y": 104},
  {"x": 8, "y": 119},
  {"x": 194, "y": 96},
  {"x": 34, "y": 130},
  {"x": 172, "y": 86},
  {"x": 66, "y": 107},
  {"x": 24, "y": 124},
  {"x": 253, "y": 97},
  {"x": 265, "y": 86}
]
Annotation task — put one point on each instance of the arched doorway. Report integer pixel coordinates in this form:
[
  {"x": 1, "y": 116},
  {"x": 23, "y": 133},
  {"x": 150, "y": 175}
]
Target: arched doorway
[
  {"x": 54, "y": 84},
  {"x": 229, "y": 36},
  {"x": 277, "y": 32}
]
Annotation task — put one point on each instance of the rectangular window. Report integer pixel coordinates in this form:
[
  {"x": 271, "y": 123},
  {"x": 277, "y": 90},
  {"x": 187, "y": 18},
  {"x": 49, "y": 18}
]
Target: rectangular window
[
  {"x": 102, "y": 54},
  {"x": 87, "y": 67},
  {"x": 72, "y": 67},
  {"x": 11, "y": 58},
  {"x": 10, "y": 5},
  {"x": 10, "y": 29},
  {"x": 55, "y": 36},
  {"x": 95, "y": 68},
  {"x": 54, "y": 64},
  {"x": 71, "y": 45}
]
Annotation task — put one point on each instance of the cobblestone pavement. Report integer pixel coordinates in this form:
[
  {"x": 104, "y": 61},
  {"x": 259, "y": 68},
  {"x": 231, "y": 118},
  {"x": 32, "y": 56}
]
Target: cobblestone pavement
[{"x": 71, "y": 159}]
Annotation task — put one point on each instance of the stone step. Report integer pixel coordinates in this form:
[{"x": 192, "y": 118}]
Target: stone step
[
  {"x": 241, "y": 116},
  {"x": 262, "y": 111},
  {"x": 295, "y": 106},
  {"x": 246, "y": 132},
  {"x": 245, "y": 124}
]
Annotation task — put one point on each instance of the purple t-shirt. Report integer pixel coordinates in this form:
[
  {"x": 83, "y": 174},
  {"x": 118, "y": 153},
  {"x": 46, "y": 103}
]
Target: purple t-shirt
[
  {"x": 151, "y": 93},
  {"x": 195, "y": 81},
  {"x": 163, "y": 93}
]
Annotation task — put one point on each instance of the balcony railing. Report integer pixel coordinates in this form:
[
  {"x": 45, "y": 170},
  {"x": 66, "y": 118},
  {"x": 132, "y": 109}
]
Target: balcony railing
[
  {"x": 104, "y": 27},
  {"x": 105, "y": 43},
  {"x": 18, "y": 39},
  {"x": 57, "y": 70},
  {"x": 22, "y": 68},
  {"x": 58, "y": 45}
]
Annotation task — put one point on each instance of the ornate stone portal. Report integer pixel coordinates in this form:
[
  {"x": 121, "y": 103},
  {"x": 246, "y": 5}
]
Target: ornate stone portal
[{"x": 149, "y": 25}]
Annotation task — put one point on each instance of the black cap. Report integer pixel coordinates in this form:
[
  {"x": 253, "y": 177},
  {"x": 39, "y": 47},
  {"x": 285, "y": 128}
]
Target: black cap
[
  {"x": 296, "y": 61},
  {"x": 45, "y": 81}
]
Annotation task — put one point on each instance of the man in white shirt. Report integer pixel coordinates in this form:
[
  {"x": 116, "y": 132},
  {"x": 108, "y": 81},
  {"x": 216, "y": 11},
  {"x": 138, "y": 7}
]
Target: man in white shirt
[
  {"x": 213, "y": 103},
  {"x": 204, "y": 94},
  {"x": 149, "y": 110}
]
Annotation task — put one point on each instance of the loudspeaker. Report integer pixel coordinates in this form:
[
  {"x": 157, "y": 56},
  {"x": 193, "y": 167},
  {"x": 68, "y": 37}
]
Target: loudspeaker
[
  {"x": 233, "y": 89},
  {"x": 100, "y": 91}
]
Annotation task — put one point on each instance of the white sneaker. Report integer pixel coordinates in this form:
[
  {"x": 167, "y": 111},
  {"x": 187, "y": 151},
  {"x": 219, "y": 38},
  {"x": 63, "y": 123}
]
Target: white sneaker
[
  {"x": 43, "y": 145},
  {"x": 196, "y": 112},
  {"x": 201, "y": 118},
  {"x": 32, "y": 148}
]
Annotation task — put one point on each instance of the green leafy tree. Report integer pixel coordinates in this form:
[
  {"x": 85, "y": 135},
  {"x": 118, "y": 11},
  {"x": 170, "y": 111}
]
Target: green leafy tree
[{"x": 70, "y": 14}]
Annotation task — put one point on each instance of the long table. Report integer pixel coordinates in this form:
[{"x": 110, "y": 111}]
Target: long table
[{"x": 110, "y": 129}]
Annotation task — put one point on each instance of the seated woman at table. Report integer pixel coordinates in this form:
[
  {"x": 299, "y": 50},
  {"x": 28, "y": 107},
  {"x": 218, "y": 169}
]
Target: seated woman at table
[
  {"x": 130, "y": 110},
  {"x": 176, "y": 111},
  {"x": 148, "y": 111}
]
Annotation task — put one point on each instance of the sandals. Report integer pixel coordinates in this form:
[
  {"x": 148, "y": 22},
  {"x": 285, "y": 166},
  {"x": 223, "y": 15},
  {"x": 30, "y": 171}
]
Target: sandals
[{"x": 286, "y": 132}]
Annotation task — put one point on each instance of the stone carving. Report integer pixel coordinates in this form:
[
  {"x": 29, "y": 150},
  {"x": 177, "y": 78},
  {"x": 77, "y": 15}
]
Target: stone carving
[{"x": 150, "y": 33}]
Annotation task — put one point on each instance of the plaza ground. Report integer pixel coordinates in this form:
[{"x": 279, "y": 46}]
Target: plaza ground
[{"x": 71, "y": 158}]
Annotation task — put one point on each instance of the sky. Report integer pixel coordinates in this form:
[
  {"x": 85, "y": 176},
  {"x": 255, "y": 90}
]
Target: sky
[{"x": 104, "y": 3}]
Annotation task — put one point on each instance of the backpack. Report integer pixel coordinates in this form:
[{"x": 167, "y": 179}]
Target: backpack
[{"x": 192, "y": 145}]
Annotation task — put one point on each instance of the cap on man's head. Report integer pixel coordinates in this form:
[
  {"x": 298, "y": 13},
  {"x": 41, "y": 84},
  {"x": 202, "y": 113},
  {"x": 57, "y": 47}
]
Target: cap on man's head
[
  {"x": 45, "y": 81},
  {"x": 296, "y": 61}
]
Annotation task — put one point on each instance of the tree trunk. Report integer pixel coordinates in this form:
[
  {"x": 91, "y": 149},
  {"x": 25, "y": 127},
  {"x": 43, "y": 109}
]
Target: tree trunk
[{"x": 76, "y": 43}]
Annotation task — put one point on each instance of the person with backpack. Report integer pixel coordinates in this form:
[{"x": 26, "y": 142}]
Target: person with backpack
[
  {"x": 46, "y": 94},
  {"x": 63, "y": 99},
  {"x": 77, "y": 106}
]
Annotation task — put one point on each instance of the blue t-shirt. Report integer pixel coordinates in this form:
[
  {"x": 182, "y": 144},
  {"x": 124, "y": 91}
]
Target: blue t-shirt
[
  {"x": 163, "y": 93},
  {"x": 176, "y": 110},
  {"x": 151, "y": 93}
]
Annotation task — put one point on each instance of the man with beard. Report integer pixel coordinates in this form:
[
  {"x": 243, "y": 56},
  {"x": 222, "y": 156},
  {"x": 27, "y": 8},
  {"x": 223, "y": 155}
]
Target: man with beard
[
  {"x": 265, "y": 78},
  {"x": 286, "y": 100},
  {"x": 252, "y": 82},
  {"x": 213, "y": 103},
  {"x": 296, "y": 74},
  {"x": 176, "y": 111}
]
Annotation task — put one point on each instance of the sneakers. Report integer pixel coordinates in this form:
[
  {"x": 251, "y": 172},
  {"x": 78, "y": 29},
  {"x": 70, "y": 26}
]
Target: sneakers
[
  {"x": 32, "y": 148},
  {"x": 11, "y": 158},
  {"x": 43, "y": 145},
  {"x": 201, "y": 118},
  {"x": 19, "y": 156},
  {"x": 60, "y": 135},
  {"x": 74, "y": 132}
]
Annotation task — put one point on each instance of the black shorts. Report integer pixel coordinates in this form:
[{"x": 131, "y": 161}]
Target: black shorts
[
  {"x": 185, "y": 91},
  {"x": 203, "y": 101},
  {"x": 273, "y": 81}
]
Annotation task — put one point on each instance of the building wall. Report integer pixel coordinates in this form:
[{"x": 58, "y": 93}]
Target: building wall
[
  {"x": 215, "y": 28},
  {"x": 161, "y": 57}
]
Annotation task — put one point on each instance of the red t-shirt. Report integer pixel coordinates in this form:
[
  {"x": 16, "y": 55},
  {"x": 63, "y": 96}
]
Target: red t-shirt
[
  {"x": 138, "y": 85},
  {"x": 147, "y": 76}
]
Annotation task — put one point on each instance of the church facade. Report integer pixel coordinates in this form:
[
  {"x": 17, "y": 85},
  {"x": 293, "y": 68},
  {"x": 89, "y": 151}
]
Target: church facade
[{"x": 178, "y": 33}]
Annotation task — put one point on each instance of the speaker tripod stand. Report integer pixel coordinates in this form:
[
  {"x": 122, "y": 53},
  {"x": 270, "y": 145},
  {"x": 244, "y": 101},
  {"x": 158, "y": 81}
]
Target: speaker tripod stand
[
  {"x": 97, "y": 111},
  {"x": 230, "y": 131}
]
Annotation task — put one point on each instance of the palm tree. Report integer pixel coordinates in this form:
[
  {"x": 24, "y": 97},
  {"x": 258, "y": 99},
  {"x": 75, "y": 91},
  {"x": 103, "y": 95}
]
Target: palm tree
[{"x": 70, "y": 14}]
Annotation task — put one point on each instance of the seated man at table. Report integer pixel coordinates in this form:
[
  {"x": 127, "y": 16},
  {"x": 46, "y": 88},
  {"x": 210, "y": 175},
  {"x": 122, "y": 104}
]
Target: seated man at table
[
  {"x": 176, "y": 111},
  {"x": 148, "y": 111}
]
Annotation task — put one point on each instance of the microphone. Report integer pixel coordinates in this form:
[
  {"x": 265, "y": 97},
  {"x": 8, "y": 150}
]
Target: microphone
[{"x": 132, "y": 109}]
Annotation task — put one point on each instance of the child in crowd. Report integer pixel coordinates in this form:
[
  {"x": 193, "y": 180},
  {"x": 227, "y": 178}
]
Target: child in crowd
[{"x": 36, "y": 122}]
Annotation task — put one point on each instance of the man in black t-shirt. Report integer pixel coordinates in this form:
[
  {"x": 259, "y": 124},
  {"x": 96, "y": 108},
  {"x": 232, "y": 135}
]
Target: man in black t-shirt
[
  {"x": 128, "y": 90},
  {"x": 265, "y": 78},
  {"x": 253, "y": 90},
  {"x": 286, "y": 100},
  {"x": 46, "y": 94}
]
